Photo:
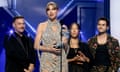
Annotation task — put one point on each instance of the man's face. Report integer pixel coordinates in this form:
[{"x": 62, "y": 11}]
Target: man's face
[
  {"x": 102, "y": 26},
  {"x": 19, "y": 25}
]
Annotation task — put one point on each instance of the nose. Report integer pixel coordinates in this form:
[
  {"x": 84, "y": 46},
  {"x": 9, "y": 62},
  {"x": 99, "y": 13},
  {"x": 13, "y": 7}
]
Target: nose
[{"x": 74, "y": 30}]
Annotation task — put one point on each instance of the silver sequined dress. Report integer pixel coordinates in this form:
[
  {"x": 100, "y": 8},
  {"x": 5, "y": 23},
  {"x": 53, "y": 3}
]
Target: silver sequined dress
[{"x": 51, "y": 62}]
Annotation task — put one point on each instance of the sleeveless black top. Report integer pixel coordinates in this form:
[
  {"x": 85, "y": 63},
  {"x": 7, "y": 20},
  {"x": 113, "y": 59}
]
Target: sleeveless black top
[{"x": 102, "y": 56}]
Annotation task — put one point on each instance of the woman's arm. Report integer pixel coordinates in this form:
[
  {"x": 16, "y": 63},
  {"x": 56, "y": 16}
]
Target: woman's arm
[
  {"x": 38, "y": 38},
  {"x": 77, "y": 59},
  {"x": 72, "y": 59}
]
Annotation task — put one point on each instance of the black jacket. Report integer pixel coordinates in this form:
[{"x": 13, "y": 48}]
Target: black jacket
[{"x": 18, "y": 56}]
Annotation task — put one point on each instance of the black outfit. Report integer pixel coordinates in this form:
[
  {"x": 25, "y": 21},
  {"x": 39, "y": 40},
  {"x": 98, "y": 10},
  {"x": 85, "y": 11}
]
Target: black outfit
[
  {"x": 19, "y": 52},
  {"x": 102, "y": 56},
  {"x": 101, "y": 62},
  {"x": 73, "y": 66}
]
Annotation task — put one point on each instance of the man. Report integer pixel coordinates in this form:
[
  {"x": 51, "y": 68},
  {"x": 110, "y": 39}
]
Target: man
[
  {"x": 20, "y": 55},
  {"x": 105, "y": 49}
]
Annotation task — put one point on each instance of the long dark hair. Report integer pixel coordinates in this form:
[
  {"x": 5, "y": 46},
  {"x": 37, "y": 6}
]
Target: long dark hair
[{"x": 70, "y": 27}]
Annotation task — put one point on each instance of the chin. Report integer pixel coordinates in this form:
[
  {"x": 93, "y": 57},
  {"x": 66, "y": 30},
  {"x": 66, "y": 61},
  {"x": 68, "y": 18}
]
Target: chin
[
  {"x": 74, "y": 36},
  {"x": 21, "y": 31},
  {"x": 52, "y": 18},
  {"x": 101, "y": 31}
]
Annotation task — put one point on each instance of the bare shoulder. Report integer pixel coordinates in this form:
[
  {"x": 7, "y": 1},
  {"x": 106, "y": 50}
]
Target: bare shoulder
[{"x": 42, "y": 26}]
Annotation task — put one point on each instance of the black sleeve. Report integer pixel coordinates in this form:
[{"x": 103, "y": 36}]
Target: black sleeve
[
  {"x": 11, "y": 51},
  {"x": 86, "y": 51},
  {"x": 32, "y": 51},
  {"x": 7, "y": 46},
  {"x": 88, "y": 54},
  {"x": 6, "y": 42}
]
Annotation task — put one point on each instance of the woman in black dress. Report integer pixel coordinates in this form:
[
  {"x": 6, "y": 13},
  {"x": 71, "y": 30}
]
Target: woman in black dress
[{"x": 78, "y": 54}]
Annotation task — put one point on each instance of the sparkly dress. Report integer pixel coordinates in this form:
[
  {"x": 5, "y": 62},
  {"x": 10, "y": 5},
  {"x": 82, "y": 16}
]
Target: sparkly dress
[{"x": 50, "y": 62}]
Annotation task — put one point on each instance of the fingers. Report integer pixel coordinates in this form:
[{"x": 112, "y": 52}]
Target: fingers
[
  {"x": 82, "y": 59},
  {"x": 53, "y": 46},
  {"x": 80, "y": 53},
  {"x": 58, "y": 49},
  {"x": 26, "y": 70},
  {"x": 31, "y": 67},
  {"x": 79, "y": 58},
  {"x": 79, "y": 63},
  {"x": 76, "y": 58}
]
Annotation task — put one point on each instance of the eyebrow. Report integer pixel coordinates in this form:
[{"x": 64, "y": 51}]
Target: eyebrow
[{"x": 102, "y": 23}]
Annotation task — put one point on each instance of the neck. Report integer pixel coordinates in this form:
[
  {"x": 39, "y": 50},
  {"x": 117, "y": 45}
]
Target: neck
[
  {"x": 102, "y": 34},
  {"x": 20, "y": 34},
  {"x": 53, "y": 20},
  {"x": 74, "y": 43},
  {"x": 74, "y": 39}
]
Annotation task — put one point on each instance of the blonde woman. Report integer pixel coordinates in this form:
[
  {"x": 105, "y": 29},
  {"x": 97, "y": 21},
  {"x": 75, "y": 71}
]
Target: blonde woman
[{"x": 53, "y": 58}]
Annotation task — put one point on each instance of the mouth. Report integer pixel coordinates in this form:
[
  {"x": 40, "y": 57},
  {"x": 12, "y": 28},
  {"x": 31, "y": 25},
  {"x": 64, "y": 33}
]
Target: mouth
[
  {"x": 51, "y": 14},
  {"x": 22, "y": 28},
  {"x": 74, "y": 33},
  {"x": 100, "y": 28}
]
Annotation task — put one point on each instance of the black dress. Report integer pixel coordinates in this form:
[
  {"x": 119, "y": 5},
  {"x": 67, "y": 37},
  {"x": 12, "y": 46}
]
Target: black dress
[{"x": 73, "y": 66}]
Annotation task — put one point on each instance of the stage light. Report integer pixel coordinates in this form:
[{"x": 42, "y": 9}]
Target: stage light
[
  {"x": 81, "y": 32},
  {"x": 96, "y": 32},
  {"x": 11, "y": 31},
  {"x": 83, "y": 36},
  {"x": 28, "y": 35},
  {"x": 65, "y": 8}
]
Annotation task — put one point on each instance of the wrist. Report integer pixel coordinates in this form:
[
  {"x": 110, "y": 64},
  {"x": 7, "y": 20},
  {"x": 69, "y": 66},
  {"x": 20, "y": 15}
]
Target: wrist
[
  {"x": 87, "y": 59},
  {"x": 31, "y": 67},
  {"x": 74, "y": 59},
  {"x": 47, "y": 49}
]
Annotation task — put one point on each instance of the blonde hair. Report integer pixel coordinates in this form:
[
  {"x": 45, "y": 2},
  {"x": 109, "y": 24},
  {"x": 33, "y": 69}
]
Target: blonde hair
[{"x": 53, "y": 4}]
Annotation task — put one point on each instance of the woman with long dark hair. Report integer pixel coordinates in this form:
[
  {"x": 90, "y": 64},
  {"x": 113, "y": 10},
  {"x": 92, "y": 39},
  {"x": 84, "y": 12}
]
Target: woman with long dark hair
[{"x": 78, "y": 54}]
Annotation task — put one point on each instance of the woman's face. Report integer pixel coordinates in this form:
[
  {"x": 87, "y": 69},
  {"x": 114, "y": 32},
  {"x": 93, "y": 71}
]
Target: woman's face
[
  {"x": 74, "y": 31},
  {"x": 52, "y": 12}
]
